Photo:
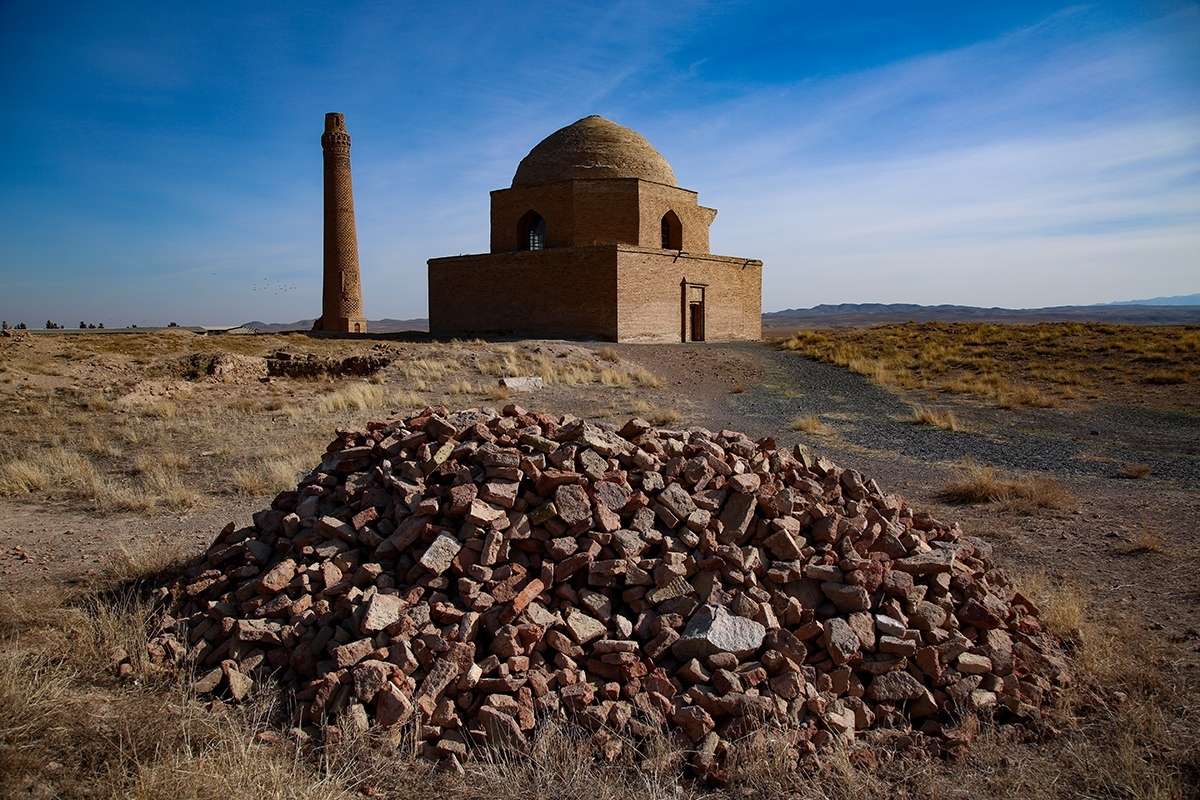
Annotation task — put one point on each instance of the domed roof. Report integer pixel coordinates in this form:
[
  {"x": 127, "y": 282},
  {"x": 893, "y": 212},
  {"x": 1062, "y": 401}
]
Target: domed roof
[{"x": 593, "y": 147}]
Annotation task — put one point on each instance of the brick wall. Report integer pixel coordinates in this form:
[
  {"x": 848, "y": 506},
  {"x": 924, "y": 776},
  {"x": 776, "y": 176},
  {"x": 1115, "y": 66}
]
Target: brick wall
[
  {"x": 581, "y": 213},
  {"x": 566, "y": 293},
  {"x": 650, "y": 298},
  {"x": 655, "y": 200},
  {"x": 604, "y": 292}
]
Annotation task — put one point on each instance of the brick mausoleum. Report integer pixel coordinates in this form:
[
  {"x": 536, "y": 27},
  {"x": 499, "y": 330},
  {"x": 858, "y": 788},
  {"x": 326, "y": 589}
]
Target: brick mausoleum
[{"x": 595, "y": 241}]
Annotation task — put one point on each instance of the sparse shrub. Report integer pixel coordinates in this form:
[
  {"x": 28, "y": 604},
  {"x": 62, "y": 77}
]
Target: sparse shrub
[
  {"x": 982, "y": 483},
  {"x": 55, "y": 469},
  {"x": 1136, "y": 470},
  {"x": 608, "y": 354},
  {"x": 1166, "y": 378},
  {"x": 267, "y": 476},
  {"x": 656, "y": 415},
  {"x": 1146, "y": 541},
  {"x": 1025, "y": 396},
  {"x": 811, "y": 424},
  {"x": 160, "y": 408},
  {"x": 923, "y": 415}
]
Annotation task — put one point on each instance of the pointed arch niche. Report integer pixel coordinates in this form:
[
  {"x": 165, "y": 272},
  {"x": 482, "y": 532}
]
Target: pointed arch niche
[
  {"x": 531, "y": 231},
  {"x": 672, "y": 232}
]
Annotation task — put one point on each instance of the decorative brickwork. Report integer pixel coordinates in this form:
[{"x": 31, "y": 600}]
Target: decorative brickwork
[
  {"x": 625, "y": 253},
  {"x": 341, "y": 300}
]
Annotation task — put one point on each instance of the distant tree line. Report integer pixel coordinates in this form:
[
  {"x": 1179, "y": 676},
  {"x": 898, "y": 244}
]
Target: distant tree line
[{"x": 51, "y": 325}]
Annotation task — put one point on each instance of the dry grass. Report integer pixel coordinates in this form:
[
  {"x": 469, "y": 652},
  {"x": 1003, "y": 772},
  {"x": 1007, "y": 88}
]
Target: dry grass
[
  {"x": 1015, "y": 366},
  {"x": 810, "y": 424},
  {"x": 1167, "y": 377},
  {"x": 1136, "y": 470},
  {"x": 608, "y": 354},
  {"x": 1146, "y": 541},
  {"x": 938, "y": 418},
  {"x": 1028, "y": 494},
  {"x": 269, "y": 476},
  {"x": 561, "y": 372},
  {"x": 132, "y": 433},
  {"x": 48, "y": 470},
  {"x": 656, "y": 415},
  {"x": 358, "y": 397}
]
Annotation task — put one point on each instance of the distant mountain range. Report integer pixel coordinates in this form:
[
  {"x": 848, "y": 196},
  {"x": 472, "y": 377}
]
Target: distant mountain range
[
  {"x": 1178, "y": 310},
  {"x": 857, "y": 314},
  {"x": 373, "y": 325},
  {"x": 1176, "y": 300}
]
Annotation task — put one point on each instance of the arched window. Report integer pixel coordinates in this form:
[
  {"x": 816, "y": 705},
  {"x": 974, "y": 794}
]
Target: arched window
[
  {"x": 672, "y": 232},
  {"x": 531, "y": 231}
]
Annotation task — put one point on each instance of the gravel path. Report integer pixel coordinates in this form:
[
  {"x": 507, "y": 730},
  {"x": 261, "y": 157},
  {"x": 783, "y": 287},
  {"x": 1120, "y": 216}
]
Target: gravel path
[{"x": 1098, "y": 441}]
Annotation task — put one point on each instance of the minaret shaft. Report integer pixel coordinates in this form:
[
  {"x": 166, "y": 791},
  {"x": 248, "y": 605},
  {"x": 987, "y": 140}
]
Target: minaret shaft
[{"x": 341, "y": 301}]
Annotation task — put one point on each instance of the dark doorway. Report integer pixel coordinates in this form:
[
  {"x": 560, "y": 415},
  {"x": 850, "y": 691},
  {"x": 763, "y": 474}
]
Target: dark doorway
[
  {"x": 692, "y": 305},
  {"x": 696, "y": 321}
]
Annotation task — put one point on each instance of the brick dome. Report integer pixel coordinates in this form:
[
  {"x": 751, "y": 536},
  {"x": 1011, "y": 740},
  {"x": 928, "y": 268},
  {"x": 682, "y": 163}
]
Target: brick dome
[{"x": 593, "y": 147}]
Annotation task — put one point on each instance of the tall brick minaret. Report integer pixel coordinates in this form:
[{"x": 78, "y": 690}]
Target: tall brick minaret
[{"x": 341, "y": 298}]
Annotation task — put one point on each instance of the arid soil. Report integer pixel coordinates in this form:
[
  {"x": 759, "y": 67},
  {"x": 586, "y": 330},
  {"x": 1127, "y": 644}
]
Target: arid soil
[{"x": 185, "y": 451}]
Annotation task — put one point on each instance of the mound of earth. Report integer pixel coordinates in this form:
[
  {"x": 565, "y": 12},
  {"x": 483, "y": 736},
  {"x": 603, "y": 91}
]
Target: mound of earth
[{"x": 479, "y": 572}]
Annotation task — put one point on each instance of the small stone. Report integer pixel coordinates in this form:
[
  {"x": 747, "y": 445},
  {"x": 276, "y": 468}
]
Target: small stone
[
  {"x": 278, "y": 577},
  {"x": 847, "y": 597},
  {"x": 677, "y": 501},
  {"x": 841, "y": 640},
  {"x": 381, "y": 611},
  {"x": 348, "y": 655},
  {"x": 583, "y": 627},
  {"x": 482, "y": 513},
  {"x": 748, "y": 483},
  {"x": 931, "y": 563},
  {"x": 897, "y": 685},
  {"x": 712, "y": 629},
  {"x": 695, "y": 722},
  {"x": 969, "y": 664},
  {"x": 572, "y": 504},
  {"x": 889, "y": 626},
  {"x": 439, "y": 555}
]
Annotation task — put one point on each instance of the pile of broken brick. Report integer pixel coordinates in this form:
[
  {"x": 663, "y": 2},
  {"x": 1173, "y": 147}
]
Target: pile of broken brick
[{"x": 478, "y": 572}]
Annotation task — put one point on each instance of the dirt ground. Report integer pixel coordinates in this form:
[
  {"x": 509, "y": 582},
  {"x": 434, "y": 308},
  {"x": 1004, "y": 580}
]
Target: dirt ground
[{"x": 187, "y": 449}]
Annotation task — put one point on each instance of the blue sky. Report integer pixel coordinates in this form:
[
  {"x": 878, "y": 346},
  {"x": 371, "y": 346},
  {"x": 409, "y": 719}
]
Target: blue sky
[{"x": 163, "y": 159}]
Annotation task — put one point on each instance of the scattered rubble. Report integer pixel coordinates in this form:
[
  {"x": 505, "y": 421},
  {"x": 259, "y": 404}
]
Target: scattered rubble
[
  {"x": 482, "y": 571},
  {"x": 283, "y": 364}
]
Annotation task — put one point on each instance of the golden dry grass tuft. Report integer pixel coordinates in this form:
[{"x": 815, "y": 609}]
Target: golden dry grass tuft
[
  {"x": 938, "y": 418},
  {"x": 267, "y": 477},
  {"x": 608, "y": 354},
  {"x": 1145, "y": 541},
  {"x": 1136, "y": 470},
  {"x": 656, "y": 415},
  {"x": 1028, "y": 494},
  {"x": 810, "y": 424},
  {"x": 44, "y": 470}
]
